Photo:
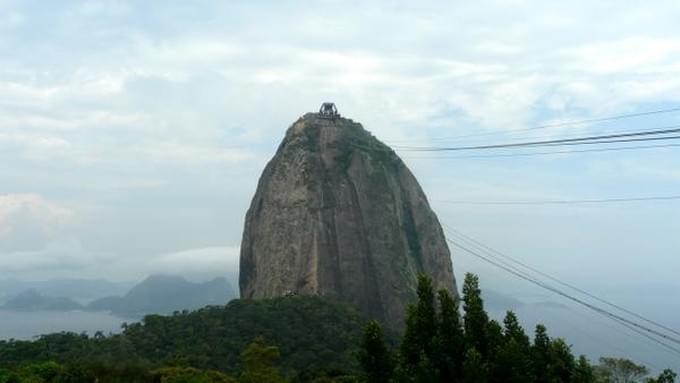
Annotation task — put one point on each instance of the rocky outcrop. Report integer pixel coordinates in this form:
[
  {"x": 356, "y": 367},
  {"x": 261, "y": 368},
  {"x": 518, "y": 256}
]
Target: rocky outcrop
[{"x": 337, "y": 213}]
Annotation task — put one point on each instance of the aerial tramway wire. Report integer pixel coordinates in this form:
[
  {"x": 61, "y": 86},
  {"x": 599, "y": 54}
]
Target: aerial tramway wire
[
  {"x": 554, "y": 279},
  {"x": 553, "y": 135},
  {"x": 617, "y": 318},
  {"x": 563, "y": 202},
  {"x": 599, "y": 139},
  {"x": 616, "y": 141},
  {"x": 524, "y": 275},
  {"x": 555, "y": 152},
  {"x": 563, "y": 124}
]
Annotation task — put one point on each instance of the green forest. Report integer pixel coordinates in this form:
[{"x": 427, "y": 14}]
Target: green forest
[{"x": 321, "y": 340}]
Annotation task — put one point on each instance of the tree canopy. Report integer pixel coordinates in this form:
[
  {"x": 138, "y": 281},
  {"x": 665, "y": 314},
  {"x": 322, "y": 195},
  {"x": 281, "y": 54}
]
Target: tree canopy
[{"x": 317, "y": 340}]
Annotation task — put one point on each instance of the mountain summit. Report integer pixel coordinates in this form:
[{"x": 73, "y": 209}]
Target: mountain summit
[{"x": 337, "y": 213}]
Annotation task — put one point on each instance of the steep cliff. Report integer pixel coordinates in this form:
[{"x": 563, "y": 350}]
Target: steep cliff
[{"x": 336, "y": 212}]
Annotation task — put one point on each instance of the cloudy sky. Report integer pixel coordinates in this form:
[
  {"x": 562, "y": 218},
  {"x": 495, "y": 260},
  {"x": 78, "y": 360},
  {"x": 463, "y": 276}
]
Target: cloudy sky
[{"x": 132, "y": 134}]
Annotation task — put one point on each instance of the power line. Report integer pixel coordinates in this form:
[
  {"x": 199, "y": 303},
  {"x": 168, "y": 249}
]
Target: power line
[
  {"x": 556, "y": 142},
  {"x": 616, "y": 141},
  {"x": 619, "y": 319},
  {"x": 633, "y": 329},
  {"x": 565, "y": 284},
  {"x": 637, "y": 332},
  {"x": 534, "y": 144},
  {"x": 553, "y": 135},
  {"x": 595, "y": 338},
  {"x": 524, "y": 275},
  {"x": 563, "y": 202},
  {"x": 603, "y": 119},
  {"x": 555, "y": 152},
  {"x": 655, "y": 340},
  {"x": 566, "y": 123}
]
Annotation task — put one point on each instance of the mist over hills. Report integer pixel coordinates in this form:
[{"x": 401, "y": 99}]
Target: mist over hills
[
  {"x": 78, "y": 289},
  {"x": 164, "y": 294},
  {"x": 157, "y": 294},
  {"x": 32, "y": 300}
]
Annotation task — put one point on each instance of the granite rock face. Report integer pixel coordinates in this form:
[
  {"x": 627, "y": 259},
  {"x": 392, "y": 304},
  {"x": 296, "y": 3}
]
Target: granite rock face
[{"x": 337, "y": 213}]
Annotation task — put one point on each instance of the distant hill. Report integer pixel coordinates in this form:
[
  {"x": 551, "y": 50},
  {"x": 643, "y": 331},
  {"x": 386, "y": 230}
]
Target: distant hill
[
  {"x": 164, "y": 294},
  {"x": 81, "y": 290},
  {"x": 32, "y": 300}
]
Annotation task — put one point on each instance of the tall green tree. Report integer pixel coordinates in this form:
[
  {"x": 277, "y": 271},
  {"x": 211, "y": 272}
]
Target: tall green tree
[
  {"x": 513, "y": 330},
  {"x": 583, "y": 371},
  {"x": 494, "y": 339},
  {"x": 410, "y": 350},
  {"x": 426, "y": 321},
  {"x": 475, "y": 318},
  {"x": 474, "y": 367},
  {"x": 511, "y": 361},
  {"x": 562, "y": 361},
  {"x": 540, "y": 352},
  {"x": 511, "y": 364},
  {"x": 374, "y": 356},
  {"x": 418, "y": 345},
  {"x": 450, "y": 342}
]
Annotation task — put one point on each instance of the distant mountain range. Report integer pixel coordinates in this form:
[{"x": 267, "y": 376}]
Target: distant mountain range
[
  {"x": 32, "y": 300},
  {"x": 157, "y": 294},
  {"x": 80, "y": 290},
  {"x": 163, "y": 294}
]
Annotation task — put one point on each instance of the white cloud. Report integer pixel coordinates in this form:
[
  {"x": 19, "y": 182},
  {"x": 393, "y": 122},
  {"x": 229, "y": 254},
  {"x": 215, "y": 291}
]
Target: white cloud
[
  {"x": 11, "y": 20},
  {"x": 193, "y": 261},
  {"x": 56, "y": 255},
  {"x": 629, "y": 55},
  {"x": 168, "y": 152},
  {"x": 34, "y": 144},
  {"x": 26, "y": 220},
  {"x": 196, "y": 263},
  {"x": 121, "y": 102},
  {"x": 38, "y": 235}
]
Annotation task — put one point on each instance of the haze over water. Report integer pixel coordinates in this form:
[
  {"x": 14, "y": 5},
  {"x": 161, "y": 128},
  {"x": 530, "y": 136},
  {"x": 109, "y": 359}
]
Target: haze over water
[{"x": 27, "y": 325}]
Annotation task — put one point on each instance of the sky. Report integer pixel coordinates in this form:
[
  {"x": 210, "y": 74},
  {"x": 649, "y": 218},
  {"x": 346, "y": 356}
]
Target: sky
[{"x": 132, "y": 134}]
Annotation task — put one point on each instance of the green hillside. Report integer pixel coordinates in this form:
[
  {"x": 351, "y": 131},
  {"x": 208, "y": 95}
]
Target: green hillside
[
  {"x": 317, "y": 340},
  {"x": 311, "y": 333}
]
